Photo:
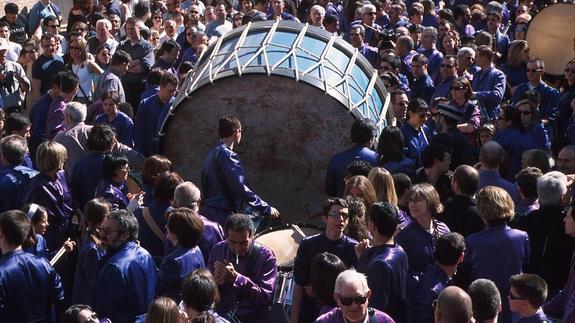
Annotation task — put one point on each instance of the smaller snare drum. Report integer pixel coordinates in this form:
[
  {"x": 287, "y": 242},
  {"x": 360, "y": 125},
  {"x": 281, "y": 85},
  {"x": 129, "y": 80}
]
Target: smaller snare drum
[{"x": 284, "y": 288}]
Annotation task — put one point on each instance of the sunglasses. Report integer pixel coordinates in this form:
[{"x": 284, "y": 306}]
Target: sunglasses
[
  {"x": 347, "y": 301},
  {"x": 446, "y": 66},
  {"x": 457, "y": 88},
  {"x": 337, "y": 214}
]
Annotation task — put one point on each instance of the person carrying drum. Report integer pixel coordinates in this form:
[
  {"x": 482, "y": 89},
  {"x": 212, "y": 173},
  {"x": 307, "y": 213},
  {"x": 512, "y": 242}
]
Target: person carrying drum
[
  {"x": 223, "y": 180},
  {"x": 245, "y": 272},
  {"x": 336, "y": 217}
]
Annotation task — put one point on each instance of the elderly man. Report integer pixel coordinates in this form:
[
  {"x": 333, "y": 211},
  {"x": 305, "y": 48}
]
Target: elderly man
[
  {"x": 453, "y": 306},
  {"x": 29, "y": 286},
  {"x": 356, "y": 36},
  {"x": 489, "y": 83},
  {"x": 103, "y": 37},
  {"x": 351, "y": 295},
  {"x": 126, "y": 282},
  {"x": 316, "y": 16},
  {"x": 434, "y": 57},
  {"x": 372, "y": 30},
  {"x": 142, "y": 58},
  {"x": 245, "y": 271},
  {"x": 385, "y": 262},
  {"x": 465, "y": 60},
  {"x": 12, "y": 80},
  {"x": 550, "y": 248}
]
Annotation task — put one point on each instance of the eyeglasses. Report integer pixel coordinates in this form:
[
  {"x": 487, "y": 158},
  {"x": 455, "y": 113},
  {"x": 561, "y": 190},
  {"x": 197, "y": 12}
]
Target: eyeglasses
[
  {"x": 570, "y": 70},
  {"x": 511, "y": 296},
  {"x": 446, "y": 66},
  {"x": 533, "y": 70},
  {"x": 347, "y": 301},
  {"x": 336, "y": 214},
  {"x": 525, "y": 113}
]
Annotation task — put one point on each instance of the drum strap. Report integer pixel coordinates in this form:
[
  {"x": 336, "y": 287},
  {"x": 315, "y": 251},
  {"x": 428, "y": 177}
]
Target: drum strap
[{"x": 152, "y": 224}]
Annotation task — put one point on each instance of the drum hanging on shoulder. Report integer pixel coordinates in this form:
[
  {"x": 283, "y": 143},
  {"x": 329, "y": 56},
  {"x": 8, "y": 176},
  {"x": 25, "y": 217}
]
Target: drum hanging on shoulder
[{"x": 296, "y": 89}]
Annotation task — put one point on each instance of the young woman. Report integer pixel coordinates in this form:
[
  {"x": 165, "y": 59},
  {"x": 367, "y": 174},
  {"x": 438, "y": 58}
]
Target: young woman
[
  {"x": 384, "y": 186},
  {"x": 532, "y": 123},
  {"x": 118, "y": 120},
  {"x": 84, "y": 68},
  {"x": 113, "y": 187},
  {"x": 461, "y": 93}
]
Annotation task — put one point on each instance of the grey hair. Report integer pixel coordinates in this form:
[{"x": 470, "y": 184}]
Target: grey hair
[
  {"x": 360, "y": 27},
  {"x": 76, "y": 111},
  {"x": 465, "y": 51},
  {"x": 105, "y": 22},
  {"x": 317, "y": 8},
  {"x": 367, "y": 6},
  {"x": 351, "y": 277},
  {"x": 551, "y": 187},
  {"x": 126, "y": 222},
  {"x": 187, "y": 194},
  {"x": 430, "y": 30}
]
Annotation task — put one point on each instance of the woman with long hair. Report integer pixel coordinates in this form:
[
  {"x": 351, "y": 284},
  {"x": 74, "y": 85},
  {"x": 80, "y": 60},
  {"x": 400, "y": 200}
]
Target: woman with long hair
[
  {"x": 84, "y": 68},
  {"x": 515, "y": 68},
  {"x": 325, "y": 267},
  {"x": 200, "y": 295},
  {"x": 450, "y": 43},
  {"x": 384, "y": 187},
  {"x": 390, "y": 148}
]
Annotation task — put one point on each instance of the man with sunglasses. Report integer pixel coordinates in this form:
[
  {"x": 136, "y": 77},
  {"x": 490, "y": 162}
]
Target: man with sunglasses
[
  {"x": 126, "y": 282},
  {"x": 351, "y": 295},
  {"x": 548, "y": 96},
  {"x": 335, "y": 216},
  {"x": 448, "y": 73}
]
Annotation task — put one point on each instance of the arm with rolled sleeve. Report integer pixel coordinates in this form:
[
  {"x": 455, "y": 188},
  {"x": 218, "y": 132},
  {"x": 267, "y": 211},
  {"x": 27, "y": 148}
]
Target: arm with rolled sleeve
[
  {"x": 493, "y": 94},
  {"x": 233, "y": 172}
]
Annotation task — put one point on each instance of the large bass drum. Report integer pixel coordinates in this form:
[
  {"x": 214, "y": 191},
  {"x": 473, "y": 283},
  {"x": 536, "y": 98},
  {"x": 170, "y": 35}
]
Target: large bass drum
[{"x": 296, "y": 89}]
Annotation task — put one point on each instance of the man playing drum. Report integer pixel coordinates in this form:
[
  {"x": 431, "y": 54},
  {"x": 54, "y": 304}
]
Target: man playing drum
[
  {"x": 245, "y": 271},
  {"x": 336, "y": 216},
  {"x": 223, "y": 182}
]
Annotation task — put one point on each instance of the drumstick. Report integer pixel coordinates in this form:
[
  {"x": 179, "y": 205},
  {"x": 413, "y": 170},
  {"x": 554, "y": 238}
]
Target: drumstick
[
  {"x": 58, "y": 255},
  {"x": 298, "y": 230}
]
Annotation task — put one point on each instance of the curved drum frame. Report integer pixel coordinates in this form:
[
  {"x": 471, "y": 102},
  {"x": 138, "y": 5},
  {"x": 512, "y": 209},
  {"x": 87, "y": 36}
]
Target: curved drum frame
[{"x": 313, "y": 56}]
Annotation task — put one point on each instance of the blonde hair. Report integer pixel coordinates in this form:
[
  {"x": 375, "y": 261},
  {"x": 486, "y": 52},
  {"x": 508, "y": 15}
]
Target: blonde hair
[
  {"x": 429, "y": 194},
  {"x": 516, "y": 49},
  {"x": 364, "y": 185},
  {"x": 50, "y": 156},
  {"x": 383, "y": 185},
  {"x": 495, "y": 205}
]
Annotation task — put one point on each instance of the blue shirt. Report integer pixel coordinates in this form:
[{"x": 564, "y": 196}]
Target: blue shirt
[
  {"x": 386, "y": 267},
  {"x": 416, "y": 141},
  {"x": 13, "y": 181},
  {"x": 515, "y": 74},
  {"x": 443, "y": 89},
  {"x": 489, "y": 88},
  {"x": 122, "y": 124},
  {"x": 150, "y": 116},
  {"x": 538, "y": 317},
  {"x": 432, "y": 283},
  {"x": 29, "y": 286},
  {"x": 175, "y": 266},
  {"x": 434, "y": 59},
  {"x": 493, "y": 178},
  {"x": 515, "y": 143},
  {"x": 126, "y": 284},
  {"x": 371, "y": 54},
  {"x": 38, "y": 117},
  {"x": 85, "y": 178},
  {"x": 422, "y": 88},
  {"x": 334, "y": 184},
  {"x": 548, "y": 99},
  {"x": 146, "y": 236},
  {"x": 114, "y": 193},
  {"x": 87, "y": 269}
]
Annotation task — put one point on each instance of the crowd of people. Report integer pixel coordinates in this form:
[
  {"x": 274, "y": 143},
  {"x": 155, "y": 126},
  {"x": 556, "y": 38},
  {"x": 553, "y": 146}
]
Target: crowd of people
[{"x": 460, "y": 210}]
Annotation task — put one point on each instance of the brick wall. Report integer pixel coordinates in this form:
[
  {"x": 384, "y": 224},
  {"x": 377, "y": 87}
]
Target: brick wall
[{"x": 65, "y": 5}]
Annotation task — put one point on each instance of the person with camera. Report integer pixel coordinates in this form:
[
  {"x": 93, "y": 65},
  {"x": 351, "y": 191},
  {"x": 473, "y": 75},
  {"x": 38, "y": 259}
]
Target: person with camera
[{"x": 13, "y": 81}]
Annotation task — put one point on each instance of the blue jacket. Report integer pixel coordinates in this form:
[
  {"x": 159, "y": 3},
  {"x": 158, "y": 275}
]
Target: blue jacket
[
  {"x": 126, "y": 284},
  {"x": 539, "y": 135},
  {"x": 85, "y": 178},
  {"x": 432, "y": 283},
  {"x": 422, "y": 88},
  {"x": 489, "y": 88},
  {"x": 548, "y": 99},
  {"x": 13, "y": 181},
  {"x": 434, "y": 58},
  {"x": 497, "y": 253},
  {"x": 123, "y": 125},
  {"x": 29, "y": 286},
  {"x": 147, "y": 237},
  {"x": 334, "y": 184},
  {"x": 54, "y": 195},
  {"x": 175, "y": 266},
  {"x": 493, "y": 178},
  {"x": 515, "y": 143},
  {"x": 386, "y": 268},
  {"x": 416, "y": 142},
  {"x": 87, "y": 269},
  {"x": 515, "y": 74},
  {"x": 151, "y": 114},
  {"x": 443, "y": 89},
  {"x": 224, "y": 185},
  {"x": 114, "y": 193},
  {"x": 38, "y": 117}
]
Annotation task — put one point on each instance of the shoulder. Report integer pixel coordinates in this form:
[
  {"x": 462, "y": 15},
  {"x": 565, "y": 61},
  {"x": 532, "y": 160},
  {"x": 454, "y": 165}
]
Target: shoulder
[{"x": 331, "y": 316}]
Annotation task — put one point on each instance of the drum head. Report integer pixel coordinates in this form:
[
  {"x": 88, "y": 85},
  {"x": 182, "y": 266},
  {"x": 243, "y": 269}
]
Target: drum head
[{"x": 284, "y": 242}]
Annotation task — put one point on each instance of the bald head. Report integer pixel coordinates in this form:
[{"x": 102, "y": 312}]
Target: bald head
[
  {"x": 453, "y": 306},
  {"x": 491, "y": 155}
]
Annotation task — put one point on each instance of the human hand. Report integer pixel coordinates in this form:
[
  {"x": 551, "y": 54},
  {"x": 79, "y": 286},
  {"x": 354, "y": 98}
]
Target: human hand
[
  {"x": 274, "y": 213},
  {"x": 361, "y": 247},
  {"x": 69, "y": 245}
]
